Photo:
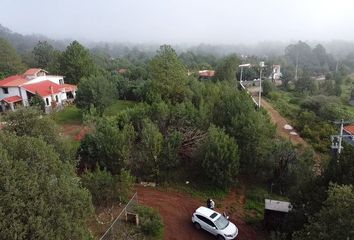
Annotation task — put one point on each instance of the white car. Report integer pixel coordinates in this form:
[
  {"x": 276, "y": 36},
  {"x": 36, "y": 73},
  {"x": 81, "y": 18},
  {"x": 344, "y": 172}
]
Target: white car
[{"x": 215, "y": 223}]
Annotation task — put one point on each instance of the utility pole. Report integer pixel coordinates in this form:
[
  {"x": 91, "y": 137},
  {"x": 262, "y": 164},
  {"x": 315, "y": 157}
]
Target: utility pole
[
  {"x": 261, "y": 64},
  {"x": 297, "y": 65}
]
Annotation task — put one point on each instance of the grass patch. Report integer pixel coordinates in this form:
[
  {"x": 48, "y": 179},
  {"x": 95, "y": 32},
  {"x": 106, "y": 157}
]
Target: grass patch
[
  {"x": 118, "y": 106},
  {"x": 200, "y": 191},
  {"x": 70, "y": 114}
]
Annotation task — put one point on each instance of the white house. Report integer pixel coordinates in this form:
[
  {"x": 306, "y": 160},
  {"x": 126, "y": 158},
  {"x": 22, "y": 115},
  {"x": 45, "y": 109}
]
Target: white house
[{"x": 17, "y": 90}]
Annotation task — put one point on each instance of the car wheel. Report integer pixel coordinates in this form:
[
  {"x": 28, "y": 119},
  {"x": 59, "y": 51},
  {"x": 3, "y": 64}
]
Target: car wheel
[
  {"x": 220, "y": 237},
  {"x": 197, "y": 226}
]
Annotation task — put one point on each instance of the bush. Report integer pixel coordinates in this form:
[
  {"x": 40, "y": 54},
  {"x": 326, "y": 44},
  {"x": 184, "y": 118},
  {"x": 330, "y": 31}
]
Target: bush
[
  {"x": 274, "y": 96},
  {"x": 267, "y": 87},
  {"x": 107, "y": 188},
  {"x": 151, "y": 222}
]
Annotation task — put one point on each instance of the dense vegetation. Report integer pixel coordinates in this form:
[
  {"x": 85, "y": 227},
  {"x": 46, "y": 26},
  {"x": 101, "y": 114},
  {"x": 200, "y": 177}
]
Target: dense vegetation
[{"x": 175, "y": 127}]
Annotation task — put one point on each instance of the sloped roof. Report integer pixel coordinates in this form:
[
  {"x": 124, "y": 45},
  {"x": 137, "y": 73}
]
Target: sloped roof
[
  {"x": 12, "y": 99},
  {"x": 68, "y": 87},
  {"x": 33, "y": 71},
  {"x": 349, "y": 129},
  {"x": 206, "y": 73},
  {"x": 275, "y": 205},
  {"x": 13, "y": 81},
  {"x": 43, "y": 88}
]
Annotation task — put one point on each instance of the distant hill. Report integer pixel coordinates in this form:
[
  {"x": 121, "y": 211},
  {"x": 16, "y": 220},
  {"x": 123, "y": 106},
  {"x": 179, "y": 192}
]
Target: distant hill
[{"x": 25, "y": 43}]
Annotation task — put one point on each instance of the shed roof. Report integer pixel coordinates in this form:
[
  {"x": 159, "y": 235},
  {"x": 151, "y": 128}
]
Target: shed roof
[
  {"x": 12, "y": 99},
  {"x": 279, "y": 206}
]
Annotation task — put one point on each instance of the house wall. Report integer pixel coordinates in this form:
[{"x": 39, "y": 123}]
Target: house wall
[
  {"x": 13, "y": 91},
  {"x": 23, "y": 94}
]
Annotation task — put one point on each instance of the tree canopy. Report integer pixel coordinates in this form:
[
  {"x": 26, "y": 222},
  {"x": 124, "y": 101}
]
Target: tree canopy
[
  {"x": 10, "y": 61},
  {"x": 76, "y": 63},
  {"x": 169, "y": 74},
  {"x": 41, "y": 196}
]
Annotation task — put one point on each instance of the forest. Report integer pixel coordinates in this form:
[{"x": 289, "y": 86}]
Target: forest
[{"x": 176, "y": 127}]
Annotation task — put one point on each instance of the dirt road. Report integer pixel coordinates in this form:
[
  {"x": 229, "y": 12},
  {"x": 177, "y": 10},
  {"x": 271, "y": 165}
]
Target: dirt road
[
  {"x": 176, "y": 210},
  {"x": 280, "y": 122}
]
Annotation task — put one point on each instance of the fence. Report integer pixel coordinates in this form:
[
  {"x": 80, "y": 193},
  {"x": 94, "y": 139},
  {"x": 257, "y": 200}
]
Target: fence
[{"x": 119, "y": 226}]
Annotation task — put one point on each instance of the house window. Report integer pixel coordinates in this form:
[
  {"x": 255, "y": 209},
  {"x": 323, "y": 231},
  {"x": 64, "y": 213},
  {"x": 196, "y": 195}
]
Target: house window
[
  {"x": 56, "y": 98},
  {"x": 47, "y": 101},
  {"x": 5, "y": 90}
]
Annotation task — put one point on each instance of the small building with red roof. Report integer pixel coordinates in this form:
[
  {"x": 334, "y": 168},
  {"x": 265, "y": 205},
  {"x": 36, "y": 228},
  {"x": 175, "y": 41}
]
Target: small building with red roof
[
  {"x": 349, "y": 132},
  {"x": 17, "y": 90},
  {"x": 206, "y": 74}
]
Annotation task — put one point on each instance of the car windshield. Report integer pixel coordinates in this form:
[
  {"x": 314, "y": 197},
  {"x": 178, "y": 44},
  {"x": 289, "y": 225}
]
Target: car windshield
[{"x": 221, "y": 223}]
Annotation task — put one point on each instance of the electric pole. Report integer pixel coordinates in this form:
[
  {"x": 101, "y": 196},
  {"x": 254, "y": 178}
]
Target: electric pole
[
  {"x": 261, "y": 64},
  {"x": 297, "y": 65}
]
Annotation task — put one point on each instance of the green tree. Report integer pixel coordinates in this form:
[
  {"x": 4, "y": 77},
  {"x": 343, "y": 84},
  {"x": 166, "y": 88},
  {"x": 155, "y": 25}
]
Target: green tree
[
  {"x": 37, "y": 101},
  {"x": 169, "y": 74},
  {"x": 219, "y": 157},
  {"x": 107, "y": 188},
  {"x": 41, "y": 196},
  {"x": 335, "y": 219},
  {"x": 109, "y": 146},
  {"x": 43, "y": 54},
  {"x": 227, "y": 68},
  {"x": 267, "y": 87},
  {"x": 151, "y": 148},
  {"x": 10, "y": 61},
  {"x": 76, "y": 63},
  {"x": 95, "y": 91},
  {"x": 31, "y": 122}
]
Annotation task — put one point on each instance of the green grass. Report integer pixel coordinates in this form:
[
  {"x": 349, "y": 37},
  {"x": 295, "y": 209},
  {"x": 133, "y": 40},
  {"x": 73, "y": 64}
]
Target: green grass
[
  {"x": 70, "y": 114},
  {"x": 200, "y": 191},
  {"x": 118, "y": 106}
]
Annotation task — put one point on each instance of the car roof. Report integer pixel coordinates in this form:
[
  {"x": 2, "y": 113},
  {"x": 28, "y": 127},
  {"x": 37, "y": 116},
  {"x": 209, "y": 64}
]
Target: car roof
[{"x": 207, "y": 212}]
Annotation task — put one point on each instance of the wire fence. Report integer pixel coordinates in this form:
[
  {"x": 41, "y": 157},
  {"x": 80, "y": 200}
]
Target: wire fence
[{"x": 119, "y": 228}]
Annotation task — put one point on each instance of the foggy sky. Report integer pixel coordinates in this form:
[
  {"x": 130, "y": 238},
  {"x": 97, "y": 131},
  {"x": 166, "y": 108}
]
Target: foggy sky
[{"x": 182, "y": 21}]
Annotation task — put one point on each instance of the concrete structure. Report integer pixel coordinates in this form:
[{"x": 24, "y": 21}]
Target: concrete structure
[
  {"x": 17, "y": 90},
  {"x": 276, "y": 74},
  {"x": 275, "y": 214}
]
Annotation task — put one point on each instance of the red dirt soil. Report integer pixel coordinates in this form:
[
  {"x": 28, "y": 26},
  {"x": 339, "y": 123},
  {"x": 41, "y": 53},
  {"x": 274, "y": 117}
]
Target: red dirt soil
[
  {"x": 76, "y": 131},
  {"x": 176, "y": 210}
]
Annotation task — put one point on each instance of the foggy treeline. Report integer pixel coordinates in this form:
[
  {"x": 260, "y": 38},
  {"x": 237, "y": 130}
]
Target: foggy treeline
[{"x": 25, "y": 43}]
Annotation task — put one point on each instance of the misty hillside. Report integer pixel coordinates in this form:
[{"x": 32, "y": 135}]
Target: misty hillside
[{"x": 25, "y": 43}]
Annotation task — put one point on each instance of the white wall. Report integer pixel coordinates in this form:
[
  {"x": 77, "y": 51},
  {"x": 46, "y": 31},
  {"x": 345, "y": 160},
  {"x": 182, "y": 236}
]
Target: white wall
[{"x": 13, "y": 91}]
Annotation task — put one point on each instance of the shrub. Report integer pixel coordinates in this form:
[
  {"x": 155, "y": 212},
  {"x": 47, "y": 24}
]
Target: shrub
[
  {"x": 107, "y": 188},
  {"x": 274, "y": 96},
  {"x": 151, "y": 222}
]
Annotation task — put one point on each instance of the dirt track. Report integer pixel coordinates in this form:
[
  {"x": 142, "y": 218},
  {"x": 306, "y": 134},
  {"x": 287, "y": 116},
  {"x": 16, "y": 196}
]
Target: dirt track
[
  {"x": 280, "y": 122},
  {"x": 176, "y": 210}
]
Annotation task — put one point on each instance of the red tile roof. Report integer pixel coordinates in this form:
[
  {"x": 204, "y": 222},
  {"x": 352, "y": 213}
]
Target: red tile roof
[
  {"x": 43, "y": 88},
  {"x": 33, "y": 71},
  {"x": 350, "y": 129},
  {"x": 13, "y": 81},
  {"x": 12, "y": 99},
  {"x": 68, "y": 87}
]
